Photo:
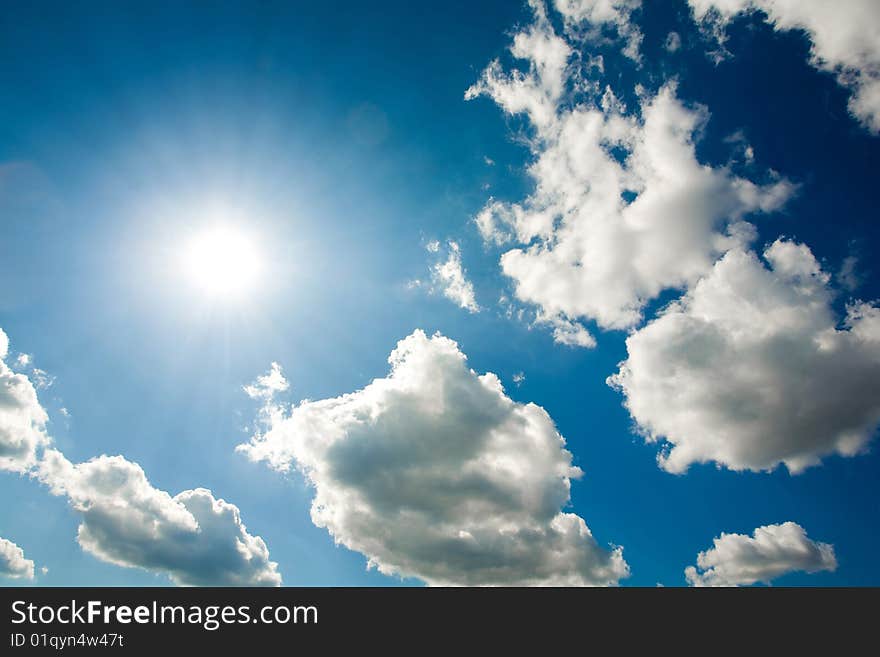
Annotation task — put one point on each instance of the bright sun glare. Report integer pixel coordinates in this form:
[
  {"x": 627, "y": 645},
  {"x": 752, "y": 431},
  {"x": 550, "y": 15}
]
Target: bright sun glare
[{"x": 222, "y": 263}]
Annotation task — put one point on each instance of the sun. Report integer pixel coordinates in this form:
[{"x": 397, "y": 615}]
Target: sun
[{"x": 222, "y": 263}]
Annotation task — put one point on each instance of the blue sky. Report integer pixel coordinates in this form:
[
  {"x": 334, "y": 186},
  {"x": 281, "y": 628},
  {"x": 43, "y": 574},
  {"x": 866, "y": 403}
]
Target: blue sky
[{"x": 340, "y": 140}]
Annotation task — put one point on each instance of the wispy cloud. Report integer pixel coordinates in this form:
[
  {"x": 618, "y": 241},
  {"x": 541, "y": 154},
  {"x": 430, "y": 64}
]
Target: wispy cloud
[{"x": 448, "y": 276}]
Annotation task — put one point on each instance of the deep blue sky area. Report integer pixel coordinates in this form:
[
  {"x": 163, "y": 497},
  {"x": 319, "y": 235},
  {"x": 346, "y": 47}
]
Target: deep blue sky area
[{"x": 339, "y": 131}]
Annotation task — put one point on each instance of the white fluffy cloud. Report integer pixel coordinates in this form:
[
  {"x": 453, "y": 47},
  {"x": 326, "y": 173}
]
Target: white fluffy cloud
[
  {"x": 433, "y": 472},
  {"x": 537, "y": 92},
  {"x": 450, "y": 277},
  {"x": 844, "y": 37},
  {"x": 567, "y": 332},
  {"x": 268, "y": 385},
  {"x": 772, "y": 551},
  {"x": 13, "y": 563},
  {"x": 750, "y": 368},
  {"x": 194, "y": 538},
  {"x": 622, "y": 207},
  {"x": 22, "y": 418}
]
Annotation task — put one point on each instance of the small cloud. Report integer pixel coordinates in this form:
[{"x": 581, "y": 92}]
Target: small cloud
[
  {"x": 741, "y": 145},
  {"x": 848, "y": 277},
  {"x": 40, "y": 378},
  {"x": 568, "y": 332},
  {"x": 489, "y": 161},
  {"x": 449, "y": 277},
  {"x": 497, "y": 222},
  {"x": 770, "y": 552},
  {"x": 64, "y": 412},
  {"x": 518, "y": 378},
  {"x": 267, "y": 385},
  {"x": 673, "y": 42},
  {"x": 510, "y": 309},
  {"x": 44, "y": 570}
]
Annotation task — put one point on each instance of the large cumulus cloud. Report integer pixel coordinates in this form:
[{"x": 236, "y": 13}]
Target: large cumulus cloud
[
  {"x": 770, "y": 552},
  {"x": 750, "y": 368},
  {"x": 433, "y": 472},
  {"x": 622, "y": 207}
]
